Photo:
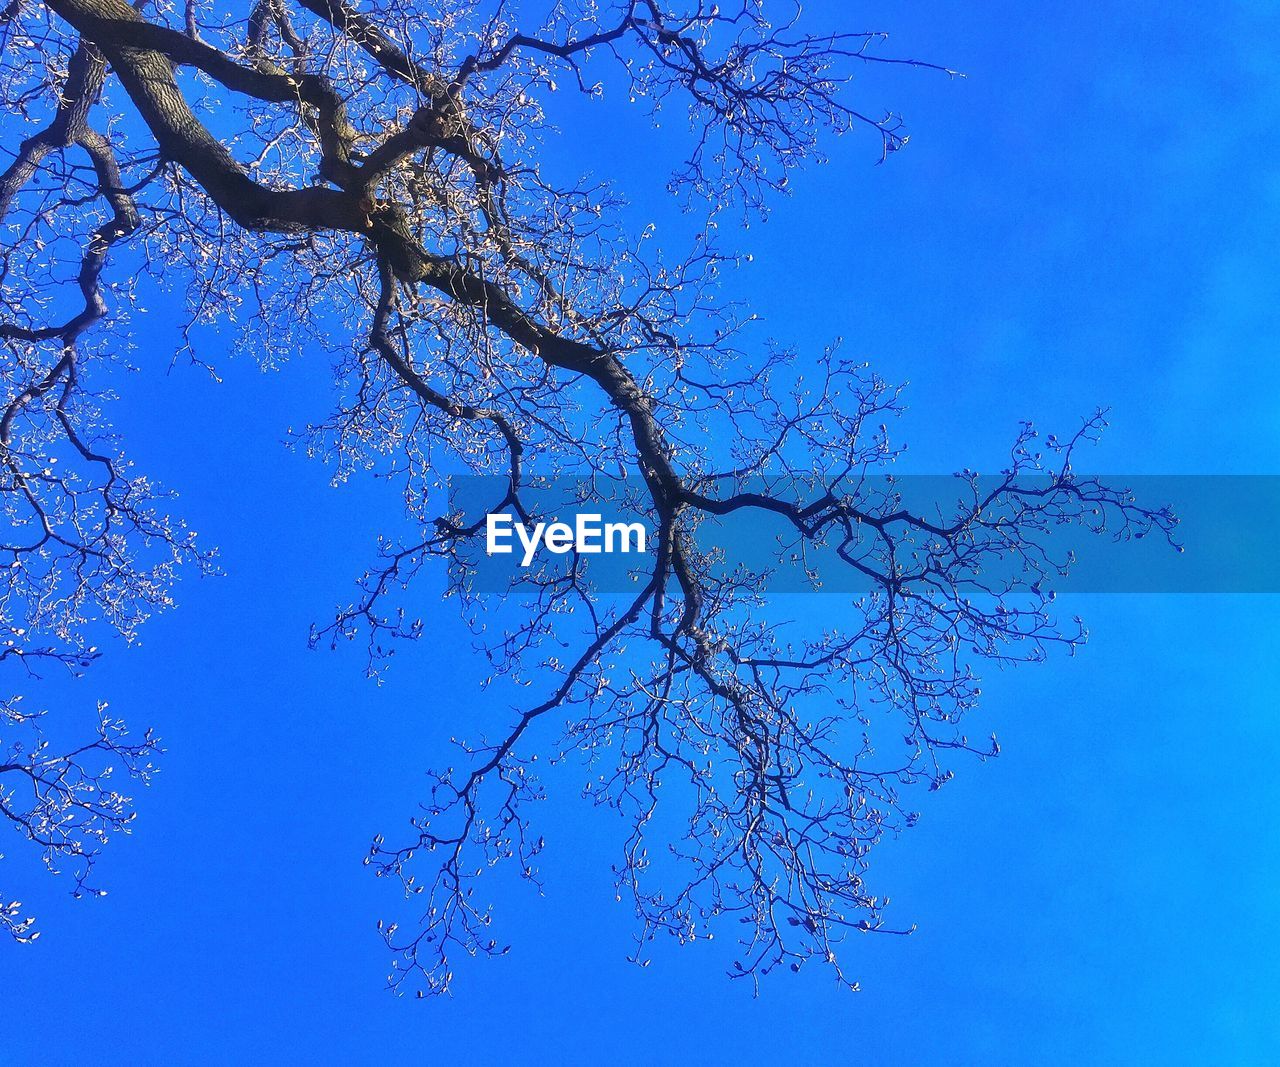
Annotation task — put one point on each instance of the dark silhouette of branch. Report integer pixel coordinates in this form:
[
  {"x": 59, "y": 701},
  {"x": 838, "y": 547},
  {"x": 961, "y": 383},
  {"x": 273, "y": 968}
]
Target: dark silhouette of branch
[
  {"x": 65, "y": 803},
  {"x": 379, "y": 173}
]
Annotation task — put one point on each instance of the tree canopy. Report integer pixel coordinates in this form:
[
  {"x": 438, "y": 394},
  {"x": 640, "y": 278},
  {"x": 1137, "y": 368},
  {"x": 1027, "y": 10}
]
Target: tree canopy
[{"x": 379, "y": 182}]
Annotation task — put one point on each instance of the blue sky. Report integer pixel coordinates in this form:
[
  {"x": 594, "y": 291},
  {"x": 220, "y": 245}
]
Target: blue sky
[{"x": 1091, "y": 217}]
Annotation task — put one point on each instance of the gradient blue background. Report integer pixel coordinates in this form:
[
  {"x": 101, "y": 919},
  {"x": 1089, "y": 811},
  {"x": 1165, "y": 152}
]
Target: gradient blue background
[{"x": 1091, "y": 217}]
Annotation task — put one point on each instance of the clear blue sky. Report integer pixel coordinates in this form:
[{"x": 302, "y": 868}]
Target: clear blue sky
[{"x": 1092, "y": 217}]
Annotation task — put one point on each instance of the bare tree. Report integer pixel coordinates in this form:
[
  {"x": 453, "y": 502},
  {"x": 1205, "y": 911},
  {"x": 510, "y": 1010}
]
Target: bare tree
[{"x": 380, "y": 180}]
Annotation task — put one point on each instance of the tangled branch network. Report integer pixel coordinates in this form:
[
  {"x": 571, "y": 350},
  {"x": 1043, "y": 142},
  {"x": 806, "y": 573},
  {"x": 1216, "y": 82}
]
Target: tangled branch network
[{"x": 379, "y": 182}]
